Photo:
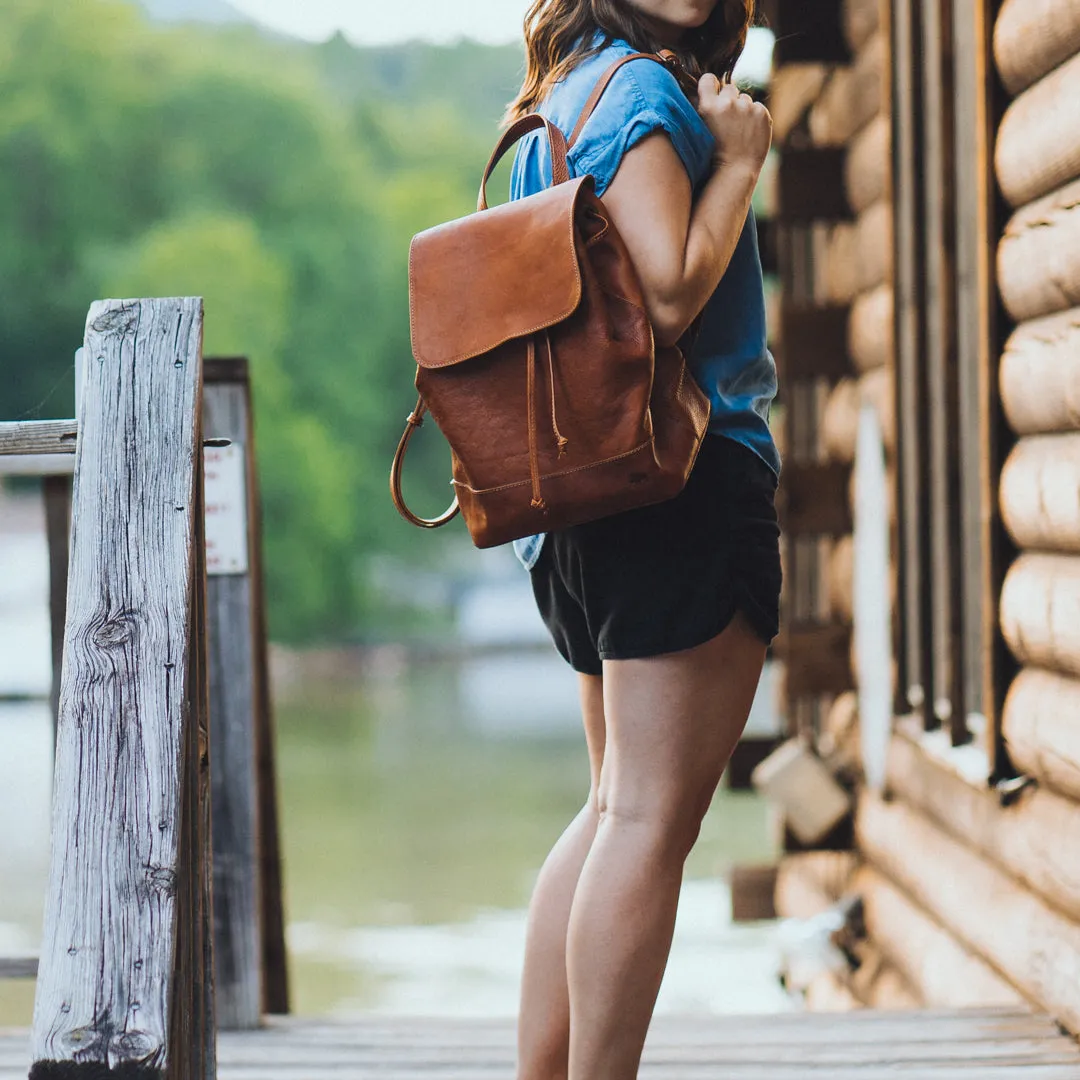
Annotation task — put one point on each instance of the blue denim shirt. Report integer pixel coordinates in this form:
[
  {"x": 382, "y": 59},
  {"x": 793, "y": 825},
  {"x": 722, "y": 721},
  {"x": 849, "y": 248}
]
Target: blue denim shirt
[{"x": 730, "y": 360}]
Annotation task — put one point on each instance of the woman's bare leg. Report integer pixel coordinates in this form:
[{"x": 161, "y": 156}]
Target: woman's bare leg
[
  {"x": 544, "y": 1019},
  {"x": 672, "y": 723}
]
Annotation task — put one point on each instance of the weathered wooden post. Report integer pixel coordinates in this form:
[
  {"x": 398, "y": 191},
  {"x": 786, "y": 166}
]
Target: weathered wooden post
[
  {"x": 248, "y": 926},
  {"x": 125, "y": 980}
]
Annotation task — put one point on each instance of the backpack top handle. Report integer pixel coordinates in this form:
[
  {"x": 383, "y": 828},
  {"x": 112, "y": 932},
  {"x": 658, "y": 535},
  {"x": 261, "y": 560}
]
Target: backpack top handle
[
  {"x": 560, "y": 147},
  {"x": 560, "y": 170}
]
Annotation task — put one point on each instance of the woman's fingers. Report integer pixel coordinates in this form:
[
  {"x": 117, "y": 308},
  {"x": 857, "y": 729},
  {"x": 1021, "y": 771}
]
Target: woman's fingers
[{"x": 742, "y": 127}]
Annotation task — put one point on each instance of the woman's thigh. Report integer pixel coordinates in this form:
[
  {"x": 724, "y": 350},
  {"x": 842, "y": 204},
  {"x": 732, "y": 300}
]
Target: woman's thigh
[{"x": 672, "y": 722}]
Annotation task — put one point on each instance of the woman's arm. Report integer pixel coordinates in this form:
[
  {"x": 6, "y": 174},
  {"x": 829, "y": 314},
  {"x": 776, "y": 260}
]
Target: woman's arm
[{"x": 681, "y": 248}]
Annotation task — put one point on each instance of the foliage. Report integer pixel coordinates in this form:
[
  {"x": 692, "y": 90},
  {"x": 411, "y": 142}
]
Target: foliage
[{"x": 281, "y": 182}]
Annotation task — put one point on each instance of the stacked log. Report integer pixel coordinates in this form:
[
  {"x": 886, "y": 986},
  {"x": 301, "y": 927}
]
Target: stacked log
[
  {"x": 1037, "y": 161},
  {"x": 847, "y": 107},
  {"x": 973, "y": 893}
]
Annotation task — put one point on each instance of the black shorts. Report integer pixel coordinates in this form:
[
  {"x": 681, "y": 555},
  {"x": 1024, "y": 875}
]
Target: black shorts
[{"x": 671, "y": 576}]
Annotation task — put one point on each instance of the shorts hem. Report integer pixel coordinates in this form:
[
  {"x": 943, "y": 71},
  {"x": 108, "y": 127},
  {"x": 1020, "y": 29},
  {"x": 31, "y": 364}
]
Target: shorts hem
[{"x": 762, "y": 627}]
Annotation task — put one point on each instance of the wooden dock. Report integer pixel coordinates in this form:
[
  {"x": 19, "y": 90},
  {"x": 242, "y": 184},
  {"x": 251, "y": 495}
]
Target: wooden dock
[{"x": 988, "y": 1044}]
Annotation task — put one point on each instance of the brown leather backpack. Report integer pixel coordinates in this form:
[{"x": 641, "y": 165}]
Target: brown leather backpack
[{"x": 536, "y": 358}]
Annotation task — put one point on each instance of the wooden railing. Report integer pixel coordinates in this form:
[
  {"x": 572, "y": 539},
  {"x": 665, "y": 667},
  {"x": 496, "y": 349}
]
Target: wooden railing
[{"x": 151, "y": 650}]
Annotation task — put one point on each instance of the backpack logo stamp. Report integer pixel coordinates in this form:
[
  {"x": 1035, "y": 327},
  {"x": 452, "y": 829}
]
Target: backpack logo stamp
[{"x": 536, "y": 358}]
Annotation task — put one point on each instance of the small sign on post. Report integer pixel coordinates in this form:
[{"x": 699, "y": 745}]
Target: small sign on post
[{"x": 226, "y": 510}]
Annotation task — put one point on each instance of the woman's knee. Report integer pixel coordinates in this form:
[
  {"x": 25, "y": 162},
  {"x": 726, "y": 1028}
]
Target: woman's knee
[{"x": 668, "y": 826}]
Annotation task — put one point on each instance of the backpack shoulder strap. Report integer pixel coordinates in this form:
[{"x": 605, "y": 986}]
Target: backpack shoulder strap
[{"x": 666, "y": 59}]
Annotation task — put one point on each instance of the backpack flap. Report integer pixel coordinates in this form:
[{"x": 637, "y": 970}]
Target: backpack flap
[{"x": 496, "y": 275}]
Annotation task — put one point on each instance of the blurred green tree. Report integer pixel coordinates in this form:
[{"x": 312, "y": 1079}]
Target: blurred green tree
[{"x": 280, "y": 181}]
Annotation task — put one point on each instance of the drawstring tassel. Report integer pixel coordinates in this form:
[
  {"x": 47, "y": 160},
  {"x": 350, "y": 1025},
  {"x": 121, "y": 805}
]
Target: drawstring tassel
[
  {"x": 561, "y": 441},
  {"x": 534, "y": 457}
]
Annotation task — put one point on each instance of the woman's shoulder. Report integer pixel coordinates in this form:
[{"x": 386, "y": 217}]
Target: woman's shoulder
[
  {"x": 636, "y": 86},
  {"x": 643, "y": 96}
]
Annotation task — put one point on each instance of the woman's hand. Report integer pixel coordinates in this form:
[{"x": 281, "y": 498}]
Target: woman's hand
[{"x": 741, "y": 126}]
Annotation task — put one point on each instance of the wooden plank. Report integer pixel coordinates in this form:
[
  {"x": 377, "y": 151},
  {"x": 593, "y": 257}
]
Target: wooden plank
[
  {"x": 57, "y": 492},
  {"x": 813, "y": 499},
  {"x": 38, "y": 437},
  {"x": 817, "y": 658},
  {"x": 234, "y": 778},
  {"x": 1030, "y": 943},
  {"x": 810, "y": 185},
  {"x": 939, "y": 222},
  {"x": 275, "y": 979},
  {"x": 114, "y": 961},
  {"x": 274, "y": 953},
  {"x": 981, "y": 428},
  {"x": 931, "y": 960},
  {"x": 807, "y": 33},
  {"x": 1036, "y": 838},
  {"x": 813, "y": 341},
  {"x": 913, "y": 659},
  {"x": 37, "y": 465},
  {"x": 21, "y": 967}
]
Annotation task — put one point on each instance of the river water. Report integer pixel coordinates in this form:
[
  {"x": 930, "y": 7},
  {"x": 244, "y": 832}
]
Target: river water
[{"x": 418, "y": 801}]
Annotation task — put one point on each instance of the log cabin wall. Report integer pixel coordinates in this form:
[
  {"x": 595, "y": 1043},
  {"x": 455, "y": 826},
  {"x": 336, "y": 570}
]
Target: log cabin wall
[
  {"x": 966, "y": 863},
  {"x": 830, "y": 101}
]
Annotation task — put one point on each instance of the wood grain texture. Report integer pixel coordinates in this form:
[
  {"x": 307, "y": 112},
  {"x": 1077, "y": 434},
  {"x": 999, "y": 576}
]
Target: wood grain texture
[
  {"x": 106, "y": 991},
  {"x": 1040, "y": 493},
  {"x": 1039, "y": 376},
  {"x": 234, "y": 775},
  {"x": 1036, "y": 838},
  {"x": 1038, "y": 145},
  {"x": 1035, "y": 947},
  {"x": 941, "y": 971},
  {"x": 1040, "y": 611},
  {"x": 1031, "y": 37},
  {"x": 38, "y": 437},
  {"x": 1042, "y": 729},
  {"x": 1038, "y": 259}
]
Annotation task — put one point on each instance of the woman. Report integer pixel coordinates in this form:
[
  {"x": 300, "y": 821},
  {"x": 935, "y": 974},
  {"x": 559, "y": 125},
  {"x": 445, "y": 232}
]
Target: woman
[{"x": 665, "y": 612}]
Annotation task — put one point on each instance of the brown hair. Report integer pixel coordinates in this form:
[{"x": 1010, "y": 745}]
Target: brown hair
[{"x": 559, "y": 34}]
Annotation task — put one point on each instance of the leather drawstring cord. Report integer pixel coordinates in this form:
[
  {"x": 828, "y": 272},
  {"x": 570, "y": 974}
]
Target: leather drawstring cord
[
  {"x": 561, "y": 441},
  {"x": 530, "y": 396}
]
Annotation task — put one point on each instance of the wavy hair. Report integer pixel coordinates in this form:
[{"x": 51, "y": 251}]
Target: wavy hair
[{"x": 559, "y": 34}]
